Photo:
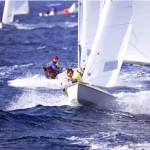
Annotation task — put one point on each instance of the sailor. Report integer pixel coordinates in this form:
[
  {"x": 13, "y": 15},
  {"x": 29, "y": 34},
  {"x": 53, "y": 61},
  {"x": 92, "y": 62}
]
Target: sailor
[
  {"x": 52, "y": 68},
  {"x": 79, "y": 73},
  {"x": 55, "y": 10},
  {"x": 67, "y": 79},
  {"x": 46, "y": 13}
]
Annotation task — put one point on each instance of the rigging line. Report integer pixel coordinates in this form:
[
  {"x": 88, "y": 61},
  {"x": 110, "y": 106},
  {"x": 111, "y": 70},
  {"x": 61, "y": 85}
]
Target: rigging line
[
  {"x": 140, "y": 51},
  {"x": 134, "y": 35},
  {"x": 67, "y": 18},
  {"x": 65, "y": 31}
]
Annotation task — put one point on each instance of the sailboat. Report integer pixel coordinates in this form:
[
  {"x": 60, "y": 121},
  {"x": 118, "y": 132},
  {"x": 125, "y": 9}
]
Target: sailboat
[
  {"x": 103, "y": 54},
  {"x": 54, "y": 11},
  {"x": 73, "y": 8},
  {"x": 12, "y": 8}
]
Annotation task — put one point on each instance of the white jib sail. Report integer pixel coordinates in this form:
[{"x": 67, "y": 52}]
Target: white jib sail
[
  {"x": 91, "y": 13},
  {"x": 110, "y": 44},
  {"x": 73, "y": 8},
  {"x": 21, "y": 7},
  {"x": 139, "y": 44},
  {"x": 8, "y": 15}
]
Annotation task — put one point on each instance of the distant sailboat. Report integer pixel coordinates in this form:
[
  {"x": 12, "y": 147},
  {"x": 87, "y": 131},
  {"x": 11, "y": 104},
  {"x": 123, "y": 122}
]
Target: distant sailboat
[
  {"x": 55, "y": 11},
  {"x": 107, "y": 51},
  {"x": 73, "y": 8},
  {"x": 14, "y": 7}
]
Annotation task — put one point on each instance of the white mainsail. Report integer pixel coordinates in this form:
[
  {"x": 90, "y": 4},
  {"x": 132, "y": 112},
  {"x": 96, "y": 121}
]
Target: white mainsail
[
  {"x": 8, "y": 11},
  {"x": 139, "y": 44},
  {"x": 91, "y": 13},
  {"x": 14, "y": 7},
  {"x": 110, "y": 44}
]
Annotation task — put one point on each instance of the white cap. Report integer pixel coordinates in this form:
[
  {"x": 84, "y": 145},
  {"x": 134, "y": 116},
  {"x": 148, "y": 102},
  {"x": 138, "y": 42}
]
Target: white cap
[{"x": 83, "y": 66}]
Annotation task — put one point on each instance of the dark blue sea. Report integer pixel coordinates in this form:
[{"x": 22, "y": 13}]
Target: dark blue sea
[{"x": 34, "y": 113}]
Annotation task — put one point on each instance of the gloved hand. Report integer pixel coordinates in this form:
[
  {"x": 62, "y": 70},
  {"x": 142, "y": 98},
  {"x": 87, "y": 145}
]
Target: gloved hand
[
  {"x": 45, "y": 69},
  {"x": 80, "y": 79}
]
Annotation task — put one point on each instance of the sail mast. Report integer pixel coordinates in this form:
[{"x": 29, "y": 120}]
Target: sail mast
[
  {"x": 80, "y": 28},
  {"x": 90, "y": 24}
]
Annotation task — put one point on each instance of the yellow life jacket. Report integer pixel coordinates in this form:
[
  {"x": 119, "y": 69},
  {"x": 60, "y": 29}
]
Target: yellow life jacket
[
  {"x": 77, "y": 75},
  {"x": 57, "y": 65}
]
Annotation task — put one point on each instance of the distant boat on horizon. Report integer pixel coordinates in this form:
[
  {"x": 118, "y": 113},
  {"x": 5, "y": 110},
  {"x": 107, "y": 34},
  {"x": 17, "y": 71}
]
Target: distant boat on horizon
[{"x": 54, "y": 10}]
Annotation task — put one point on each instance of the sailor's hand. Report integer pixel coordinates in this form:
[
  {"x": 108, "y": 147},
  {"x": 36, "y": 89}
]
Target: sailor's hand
[
  {"x": 81, "y": 82},
  {"x": 79, "y": 79},
  {"x": 63, "y": 69},
  {"x": 65, "y": 92},
  {"x": 45, "y": 69}
]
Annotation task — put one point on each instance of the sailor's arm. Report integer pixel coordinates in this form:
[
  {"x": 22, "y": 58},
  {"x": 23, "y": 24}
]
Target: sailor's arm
[{"x": 53, "y": 66}]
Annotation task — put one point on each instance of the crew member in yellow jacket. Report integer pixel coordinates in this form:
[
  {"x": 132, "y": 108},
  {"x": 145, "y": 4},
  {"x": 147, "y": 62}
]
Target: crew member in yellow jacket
[{"x": 79, "y": 73}]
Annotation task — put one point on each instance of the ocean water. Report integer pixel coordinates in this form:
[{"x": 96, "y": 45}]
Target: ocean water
[{"x": 34, "y": 113}]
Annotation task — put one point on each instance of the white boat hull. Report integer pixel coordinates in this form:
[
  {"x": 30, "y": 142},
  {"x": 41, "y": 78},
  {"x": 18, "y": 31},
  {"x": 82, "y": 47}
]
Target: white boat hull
[{"x": 89, "y": 95}]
